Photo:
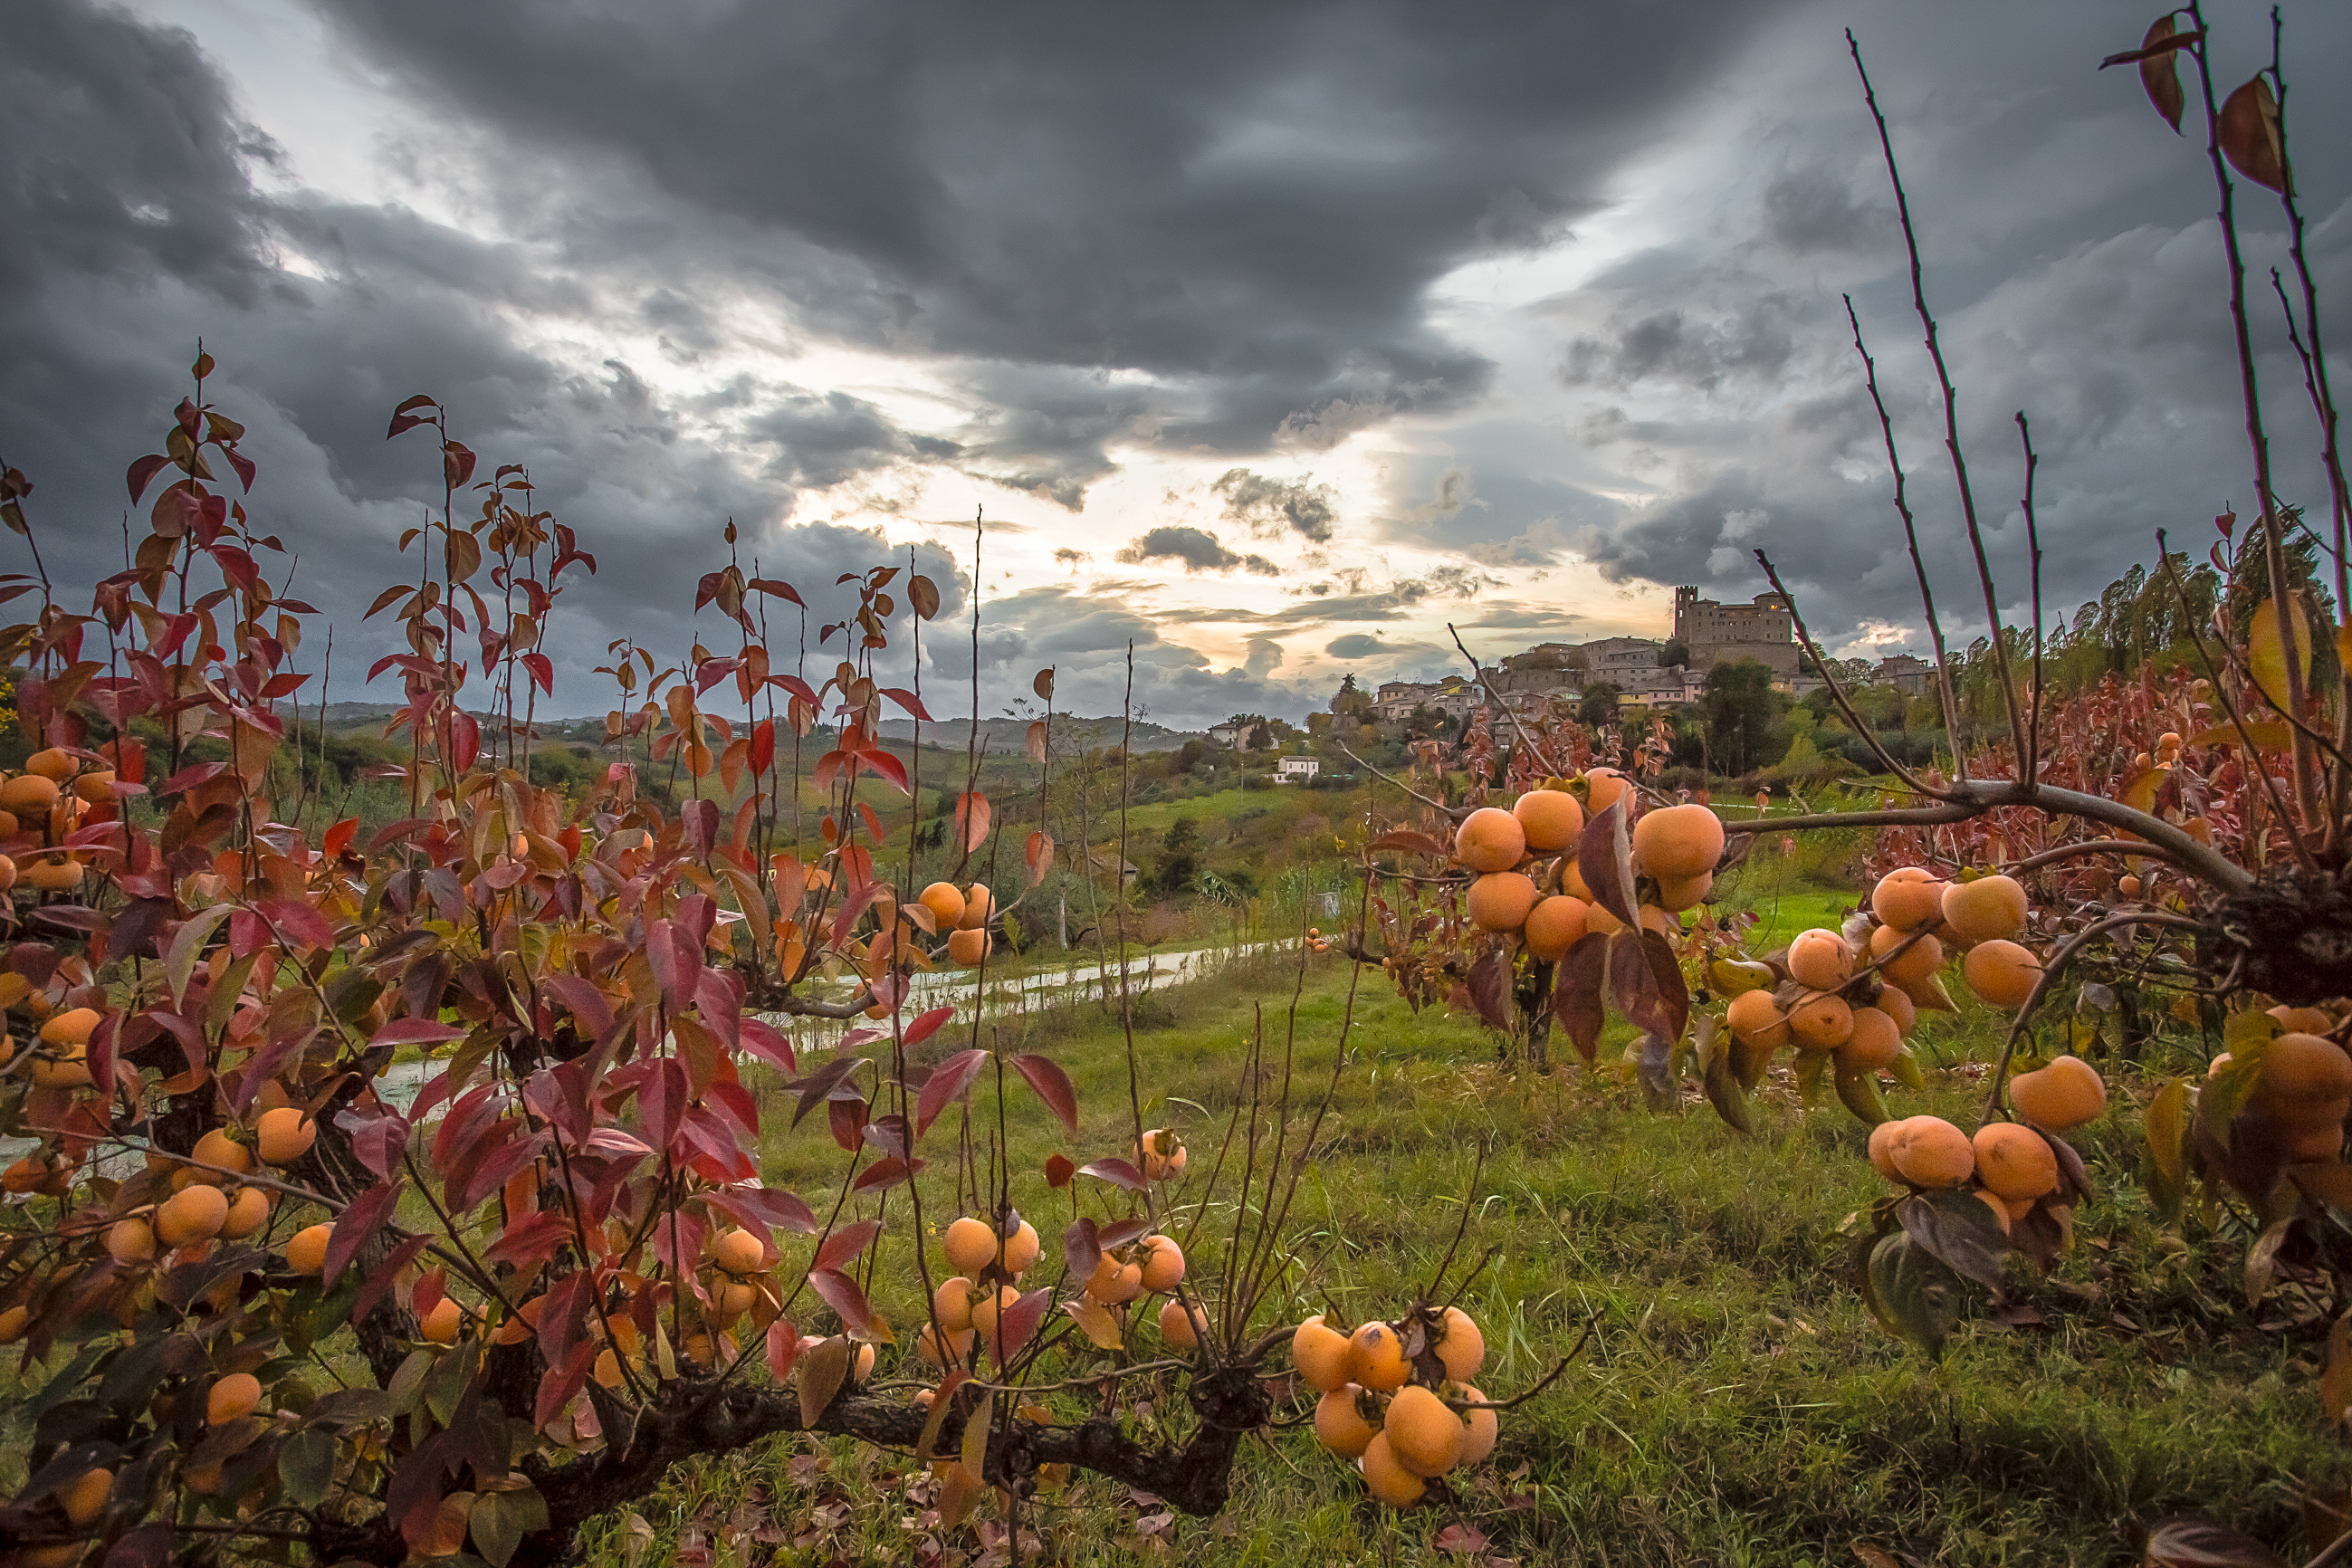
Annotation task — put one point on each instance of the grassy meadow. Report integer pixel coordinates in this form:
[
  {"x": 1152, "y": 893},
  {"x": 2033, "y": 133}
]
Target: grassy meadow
[{"x": 1735, "y": 1404}]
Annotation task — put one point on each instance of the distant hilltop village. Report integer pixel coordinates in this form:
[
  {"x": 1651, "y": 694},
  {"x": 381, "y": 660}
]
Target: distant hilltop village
[{"x": 1648, "y": 670}]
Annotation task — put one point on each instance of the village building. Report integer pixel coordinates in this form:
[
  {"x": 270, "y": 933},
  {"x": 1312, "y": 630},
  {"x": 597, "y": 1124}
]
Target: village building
[
  {"x": 1908, "y": 674},
  {"x": 1716, "y": 632}
]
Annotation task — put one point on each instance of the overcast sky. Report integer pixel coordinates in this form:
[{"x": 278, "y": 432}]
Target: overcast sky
[{"x": 1272, "y": 337}]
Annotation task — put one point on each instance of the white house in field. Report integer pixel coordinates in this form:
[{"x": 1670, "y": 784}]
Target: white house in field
[{"x": 1295, "y": 770}]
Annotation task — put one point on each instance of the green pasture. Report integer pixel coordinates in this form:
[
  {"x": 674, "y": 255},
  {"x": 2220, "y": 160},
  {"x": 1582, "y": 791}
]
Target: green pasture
[{"x": 1734, "y": 1403}]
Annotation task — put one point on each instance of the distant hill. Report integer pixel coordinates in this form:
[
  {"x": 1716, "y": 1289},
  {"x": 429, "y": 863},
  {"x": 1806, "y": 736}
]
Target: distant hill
[
  {"x": 373, "y": 716},
  {"x": 1012, "y": 735},
  {"x": 996, "y": 735}
]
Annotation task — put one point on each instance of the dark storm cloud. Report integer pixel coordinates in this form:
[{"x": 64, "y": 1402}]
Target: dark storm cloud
[
  {"x": 1674, "y": 345},
  {"x": 1088, "y": 639},
  {"x": 1244, "y": 201},
  {"x": 1809, "y": 210},
  {"x": 2071, "y": 255},
  {"x": 1212, "y": 229},
  {"x": 126, "y": 187},
  {"x": 1198, "y": 548},
  {"x": 1355, "y": 645},
  {"x": 123, "y": 158},
  {"x": 823, "y": 438},
  {"x": 1272, "y": 506}
]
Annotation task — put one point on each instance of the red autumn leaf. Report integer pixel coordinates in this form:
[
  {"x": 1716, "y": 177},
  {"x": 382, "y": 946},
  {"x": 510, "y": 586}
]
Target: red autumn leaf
[
  {"x": 1081, "y": 1247},
  {"x": 946, "y": 1085},
  {"x": 143, "y": 471},
  {"x": 783, "y": 1349},
  {"x": 1018, "y": 1323},
  {"x": 365, "y": 1216},
  {"x": 1408, "y": 842},
  {"x": 1051, "y": 1084},
  {"x": 971, "y": 819},
  {"x": 2248, "y": 133},
  {"x": 926, "y": 1026},
  {"x": 885, "y": 1173},
  {"x": 841, "y": 1293},
  {"x": 1118, "y": 1172},
  {"x": 846, "y": 1244}
]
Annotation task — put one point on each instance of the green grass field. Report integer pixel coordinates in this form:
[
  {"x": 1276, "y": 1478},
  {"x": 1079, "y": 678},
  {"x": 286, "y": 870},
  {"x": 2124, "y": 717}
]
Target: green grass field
[{"x": 1735, "y": 1404}]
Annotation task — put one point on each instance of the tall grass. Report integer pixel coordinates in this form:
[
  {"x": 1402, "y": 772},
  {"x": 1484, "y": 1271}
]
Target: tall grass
[{"x": 1735, "y": 1404}]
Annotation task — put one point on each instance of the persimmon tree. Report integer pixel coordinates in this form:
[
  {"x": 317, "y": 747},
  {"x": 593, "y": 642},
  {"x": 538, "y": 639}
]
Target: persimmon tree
[
  {"x": 2178, "y": 840},
  {"x": 397, "y": 1196}
]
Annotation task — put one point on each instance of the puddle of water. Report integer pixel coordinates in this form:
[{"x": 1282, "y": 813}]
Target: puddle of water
[{"x": 403, "y": 1081}]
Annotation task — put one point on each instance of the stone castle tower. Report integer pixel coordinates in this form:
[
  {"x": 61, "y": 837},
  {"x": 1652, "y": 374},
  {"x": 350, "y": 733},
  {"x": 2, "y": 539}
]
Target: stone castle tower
[{"x": 1715, "y": 633}]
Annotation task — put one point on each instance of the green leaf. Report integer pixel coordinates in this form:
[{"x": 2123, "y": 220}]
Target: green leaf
[
  {"x": 1960, "y": 1231},
  {"x": 2247, "y": 1028},
  {"x": 350, "y": 991},
  {"x": 1857, "y": 1089},
  {"x": 1732, "y": 976},
  {"x": 68, "y": 1381},
  {"x": 187, "y": 946},
  {"x": 306, "y": 1466},
  {"x": 2167, "y": 1129},
  {"x": 448, "y": 1384},
  {"x": 1910, "y": 1292},
  {"x": 331, "y": 1310},
  {"x": 499, "y": 1520},
  {"x": 407, "y": 1387},
  {"x": 1908, "y": 1072},
  {"x": 1810, "y": 1065},
  {"x": 220, "y": 1003},
  {"x": 1723, "y": 1088},
  {"x": 2230, "y": 1090}
]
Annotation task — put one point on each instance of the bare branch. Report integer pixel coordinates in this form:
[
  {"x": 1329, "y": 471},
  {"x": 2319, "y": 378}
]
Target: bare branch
[
  {"x": 2058, "y": 961},
  {"x": 2323, "y": 396},
  {"x": 1911, "y": 780},
  {"x": 2089, "y": 846},
  {"x": 1976, "y": 797},
  {"x": 1951, "y": 409},
  {"x": 1496, "y": 698},
  {"x": 1399, "y": 783},
  {"x": 1945, "y": 689},
  {"x": 2250, "y": 387},
  {"x": 2030, "y": 765},
  {"x": 2221, "y": 695}
]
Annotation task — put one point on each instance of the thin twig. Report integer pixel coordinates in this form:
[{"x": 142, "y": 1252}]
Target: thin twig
[
  {"x": 1509, "y": 712},
  {"x": 2088, "y": 846},
  {"x": 1978, "y": 796},
  {"x": 2058, "y": 961},
  {"x": 2249, "y": 385},
  {"x": 2221, "y": 695},
  {"x": 2314, "y": 387},
  {"x": 1837, "y": 692},
  {"x": 1951, "y": 409},
  {"x": 1944, "y": 684},
  {"x": 2030, "y": 765},
  {"x": 1574, "y": 1351},
  {"x": 1091, "y": 1380},
  {"x": 1384, "y": 778}
]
